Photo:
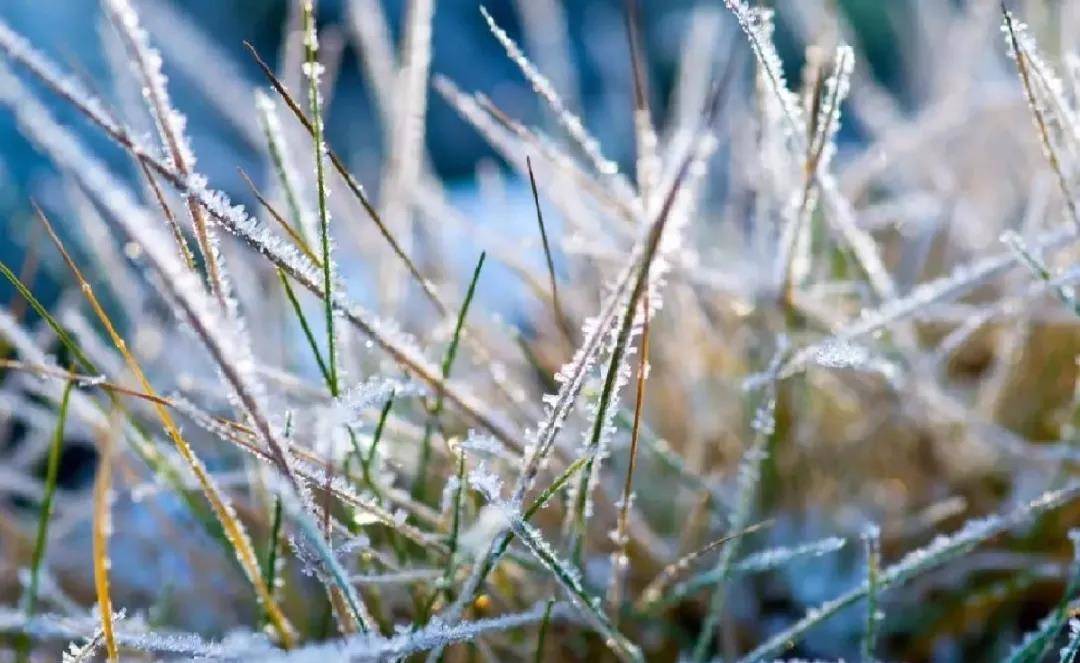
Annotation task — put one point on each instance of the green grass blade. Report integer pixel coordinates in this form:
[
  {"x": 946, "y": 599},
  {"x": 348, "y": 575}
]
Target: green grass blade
[
  {"x": 52, "y": 473},
  {"x": 447, "y": 364},
  {"x": 299, "y": 311},
  {"x": 58, "y": 329},
  {"x": 311, "y": 50}
]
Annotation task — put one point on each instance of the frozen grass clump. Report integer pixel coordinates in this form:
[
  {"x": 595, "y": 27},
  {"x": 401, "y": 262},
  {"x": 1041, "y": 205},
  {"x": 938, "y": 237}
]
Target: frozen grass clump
[{"x": 793, "y": 376}]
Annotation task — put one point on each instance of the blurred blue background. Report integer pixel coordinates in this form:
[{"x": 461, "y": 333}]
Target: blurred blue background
[{"x": 597, "y": 82}]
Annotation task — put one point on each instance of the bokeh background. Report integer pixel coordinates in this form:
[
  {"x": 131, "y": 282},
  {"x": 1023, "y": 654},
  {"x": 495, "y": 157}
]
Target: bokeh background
[{"x": 591, "y": 73}]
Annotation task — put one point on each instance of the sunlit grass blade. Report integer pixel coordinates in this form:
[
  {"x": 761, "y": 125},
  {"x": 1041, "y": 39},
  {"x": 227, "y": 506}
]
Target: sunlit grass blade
[
  {"x": 169, "y": 121},
  {"x": 102, "y": 527}
]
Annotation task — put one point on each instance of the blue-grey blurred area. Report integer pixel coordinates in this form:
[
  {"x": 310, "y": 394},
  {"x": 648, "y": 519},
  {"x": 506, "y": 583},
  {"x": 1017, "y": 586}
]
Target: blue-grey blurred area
[{"x": 588, "y": 62}]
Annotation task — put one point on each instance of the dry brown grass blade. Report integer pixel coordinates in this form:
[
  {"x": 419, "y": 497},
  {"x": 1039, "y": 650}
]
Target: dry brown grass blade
[
  {"x": 101, "y": 529},
  {"x": 233, "y": 528}
]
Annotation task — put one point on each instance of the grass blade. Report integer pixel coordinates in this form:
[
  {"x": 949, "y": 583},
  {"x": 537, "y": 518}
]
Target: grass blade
[
  {"x": 52, "y": 473},
  {"x": 313, "y": 70},
  {"x": 447, "y": 364},
  {"x": 102, "y": 527}
]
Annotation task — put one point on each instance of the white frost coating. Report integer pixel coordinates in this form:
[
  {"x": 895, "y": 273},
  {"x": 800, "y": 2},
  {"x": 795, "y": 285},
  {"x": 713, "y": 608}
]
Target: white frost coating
[
  {"x": 1058, "y": 112},
  {"x": 370, "y": 647},
  {"x": 486, "y": 482},
  {"x": 409, "y": 104},
  {"x": 843, "y": 354},
  {"x": 543, "y": 87},
  {"x": 147, "y": 65},
  {"x": 837, "y": 86},
  {"x": 776, "y": 557},
  {"x": 961, "y": 280},
  {"x": 348, "y": 409},
  {"x": 236, "y": 220},
  {"x": 757, "y": 24},
  {"x": 485, "y": 444},
  {"x": 192, "y": 51},
  {"x": 569, "y": 578},
  {"x": 940, "y": 550}
]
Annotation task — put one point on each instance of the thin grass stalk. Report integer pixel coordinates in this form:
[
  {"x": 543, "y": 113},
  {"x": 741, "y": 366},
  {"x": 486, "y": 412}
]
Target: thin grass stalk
[
  {"x": 304, "y": 325},
  {"x": 58, "y": 329},
  {"x": 825, "y": 108},
  {"x": 746, "y": 498},
  {"x": 376, "y": 437},
  {"x": 170, "y": 218},
  {"x": 313, "y": 70},
  {"x": 872, "y": 540},
  {"x": 101, "y": 529},
  {"x": 1022, "y": 68},
  {"x": 273, "y": 543},
  {"x": 648, "y": 163},
  {"x": 573, "y": 375},
  {"x": 569, "y": 578},
  {"x": 292, "y": 232},
  {"x": 447, "y": 364},
  {"x": 654, "y": 591},
  {"x": 571, "y": 123},
  {"x": 278, "y": 150},
  {"x": 142, "y": 444},
  {"x": 52, "y": 473},
  {"x": 541, "y": 636},
  {"x": 620, "y": 560},
  {"x": 559, "y": 315}
]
